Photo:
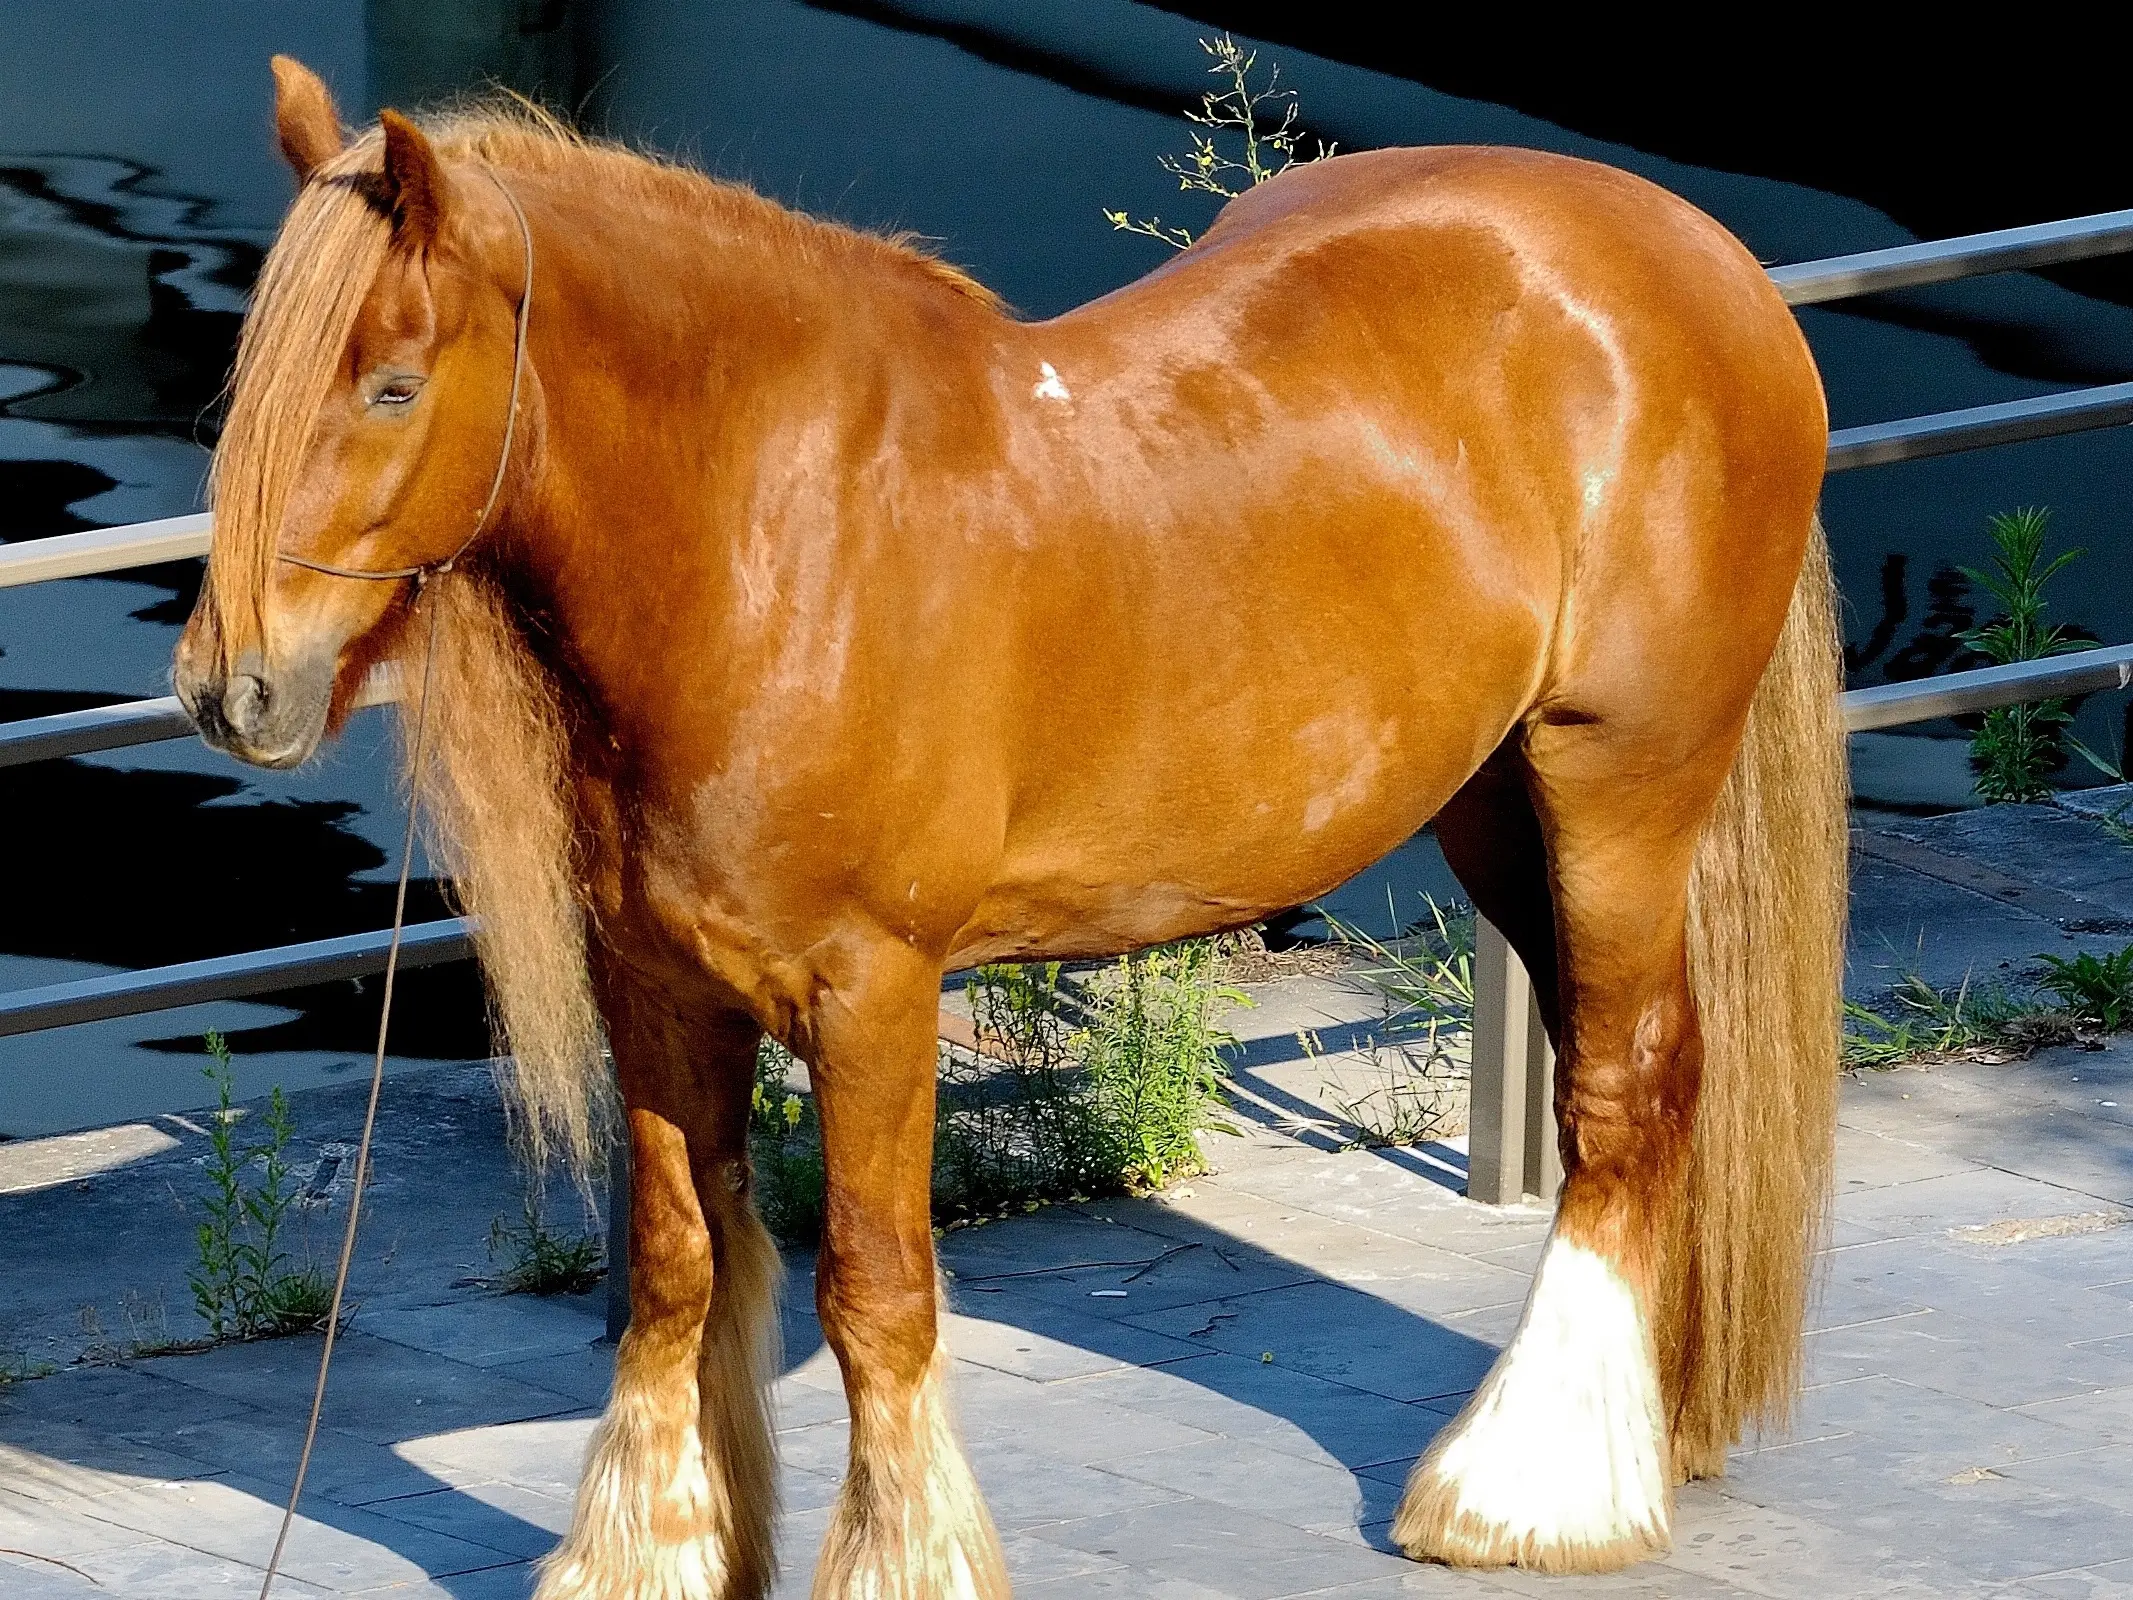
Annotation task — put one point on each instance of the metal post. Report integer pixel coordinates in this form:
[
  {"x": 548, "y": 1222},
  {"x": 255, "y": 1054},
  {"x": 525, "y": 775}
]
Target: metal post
[
  {"x": 618, "y": 1237},
  {"x": 1511, "y": 1147},
  {"x": 1496, "y": 1129},
  {"x": 1544, "y": 1152}
]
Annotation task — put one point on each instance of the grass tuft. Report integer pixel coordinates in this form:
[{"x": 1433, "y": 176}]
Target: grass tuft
[
  {"x": 2096, "y": 990},
  {"x": 542, "y": 1260}
]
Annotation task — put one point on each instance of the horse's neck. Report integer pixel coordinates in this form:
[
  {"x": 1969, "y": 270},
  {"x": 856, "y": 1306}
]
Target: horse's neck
[{"x": 667, "y": 348}]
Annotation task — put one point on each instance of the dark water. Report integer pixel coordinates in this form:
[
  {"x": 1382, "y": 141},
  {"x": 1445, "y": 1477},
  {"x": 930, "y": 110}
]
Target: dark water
[{"x": 138, "y": 187}]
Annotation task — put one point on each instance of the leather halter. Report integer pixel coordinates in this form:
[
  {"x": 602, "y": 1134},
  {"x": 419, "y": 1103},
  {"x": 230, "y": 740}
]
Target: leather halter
[{"x": 426, "y": 570}]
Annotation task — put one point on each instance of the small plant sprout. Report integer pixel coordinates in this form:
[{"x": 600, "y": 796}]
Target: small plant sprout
[
  {"x": 1260, "y": 124},
  {"x": 2098, "y": 990},
  {"x": 242, "y": 1284},
  {"x": 539, "y": 1259},
  {"x": 2017, "y": 748}
]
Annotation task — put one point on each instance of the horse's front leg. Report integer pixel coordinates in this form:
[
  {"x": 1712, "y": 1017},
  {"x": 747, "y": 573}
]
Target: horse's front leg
[
  {"x": 679, "y": 1492},
  {"x": 910, "y": 1524}
]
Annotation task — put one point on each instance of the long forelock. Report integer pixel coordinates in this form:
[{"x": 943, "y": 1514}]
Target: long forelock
[{"x": 303, "y": 313}]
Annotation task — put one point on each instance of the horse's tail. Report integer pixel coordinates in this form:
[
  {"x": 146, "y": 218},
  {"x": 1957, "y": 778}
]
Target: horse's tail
[{"x": 1766, "y": 929}]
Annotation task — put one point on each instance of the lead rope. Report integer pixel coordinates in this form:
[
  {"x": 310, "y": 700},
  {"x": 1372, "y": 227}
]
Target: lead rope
[
  {"x": 421, "y": 576},
  {"x": 370, "y": 1111}
]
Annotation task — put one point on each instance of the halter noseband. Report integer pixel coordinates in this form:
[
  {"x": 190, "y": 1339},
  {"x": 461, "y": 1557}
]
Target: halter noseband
[{"x": 426, "y": 570}]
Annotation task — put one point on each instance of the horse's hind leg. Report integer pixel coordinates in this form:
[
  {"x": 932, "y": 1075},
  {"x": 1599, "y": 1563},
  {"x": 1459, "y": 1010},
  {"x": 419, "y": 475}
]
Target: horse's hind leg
[
  {"x": 1559, "y": 1462},
  {"x": 910, "y": 1523},
  {"x": 679, "y": 1491}
]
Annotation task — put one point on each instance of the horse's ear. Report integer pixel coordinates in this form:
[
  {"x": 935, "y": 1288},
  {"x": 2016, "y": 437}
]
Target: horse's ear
[
  {"x": 304, "y": 117},
  {"x": 414, "y": 181}
]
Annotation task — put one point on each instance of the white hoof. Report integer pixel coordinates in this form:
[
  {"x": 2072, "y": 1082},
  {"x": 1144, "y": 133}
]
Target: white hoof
[{"x": 1557, "y": 1463}]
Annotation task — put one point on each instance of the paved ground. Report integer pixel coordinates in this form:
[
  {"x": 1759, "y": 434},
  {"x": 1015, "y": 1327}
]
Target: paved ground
[{"x": 1212, "y": 1395}]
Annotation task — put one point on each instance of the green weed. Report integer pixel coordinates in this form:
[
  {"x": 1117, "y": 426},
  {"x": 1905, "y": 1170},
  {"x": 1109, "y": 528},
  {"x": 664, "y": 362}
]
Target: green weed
[
  {"x": 1153, "y": 1050},
  {"x": 785, "y": 1148},
  {"x": 15, "y": 1367},
  {"x": 242, "y": 1283},
  {"x": 1260, "y": 125},
  {"x": 1926, "y": 1025},
  {"x": 1078, "y": 1089},
  {"x": 1426, "y": 979},
  {"x": 2097, "y": 990},
  {"x": 2017, "y": 749},
  {"x": 542, "y": 1260}
]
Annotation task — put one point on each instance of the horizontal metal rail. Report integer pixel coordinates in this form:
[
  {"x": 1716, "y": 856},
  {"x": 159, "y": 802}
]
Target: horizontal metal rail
[
  {"x": 130, "y": 722},
  {"x": 80, "y": 733},
  {"x": 1891, "y": 705},
  {"x": 1976, "y": 427},
  {"x": 1907, "y": 266},
  {"x": 84, "y": 555},
  {"x": 291, "y": 966}
]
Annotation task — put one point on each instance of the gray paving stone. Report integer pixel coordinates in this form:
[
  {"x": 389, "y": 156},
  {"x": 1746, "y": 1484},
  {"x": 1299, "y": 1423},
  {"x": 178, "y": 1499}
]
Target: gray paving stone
[
  {"x": 1030, "y": 1492},
  {"x": 508, "y": 1517},
  {"x": 1295, "y": 1413},
  {"x": 1252, "y": 1477},
  {"x": 1233, "y": 1552},
  {"x": 2104, "y": 1475},
  {"x": 800, "y": 1405},
  {"x": 1067, "y": 1421},
  {"x": 2105, "y": 1415},
  {"x": 24, "y": 1577},
  {"x": 823, "y": 1448},
  {"x": 494, "y": 1330},
  {"x": 161, "y": 1570},
  {"x": 1336, "y": 1333},
  {"x": 343, "y": 1467},
  {"x": 1034, "y": 1563},
  {"x": 2109, "y": 1580},
  {"x": 1122, "y": 1583},
  {"x": 64, "y": 1461},
  {"x": 543, "y": 1455},
  {"x": 1871, "y": 1158},
  {"x": 1961, "y": 1199},
  {"x": 1783, "y": 1554},
  {"x": 1184, "y": 1272},
  {"x": 1016, "y": 1333},
  {"x": 335, "y": 1547},
  {"x": 142, "y": 1396},
  {"x": 1960, "y": 1355},
  {"x": 1651, "y": 1580},
  {"x": 61, "y": 1530},
  {"x": 584, "y": 1375},
  {"x": 380, "y": 1391},
  {"x": 493, "y": 1583}
]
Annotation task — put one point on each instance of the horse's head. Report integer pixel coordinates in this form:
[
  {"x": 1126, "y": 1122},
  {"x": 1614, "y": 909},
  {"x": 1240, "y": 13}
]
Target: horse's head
[{"x": 368, "y": 423}]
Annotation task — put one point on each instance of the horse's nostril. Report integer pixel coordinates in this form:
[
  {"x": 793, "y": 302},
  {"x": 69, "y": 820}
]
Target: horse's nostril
[{"x": 244, "y": 702}]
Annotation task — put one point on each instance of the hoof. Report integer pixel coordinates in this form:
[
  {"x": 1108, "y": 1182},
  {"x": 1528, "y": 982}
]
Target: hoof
[
  {"x": 1558, "y": 1462},
  {"x": 911, "y": 1524}
]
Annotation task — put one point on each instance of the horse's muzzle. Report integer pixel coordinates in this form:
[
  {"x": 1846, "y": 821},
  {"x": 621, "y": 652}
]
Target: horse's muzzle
[{"x": 266, "y": 718}]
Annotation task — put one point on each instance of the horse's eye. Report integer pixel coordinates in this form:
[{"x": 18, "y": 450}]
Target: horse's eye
[{"x": 397, "y": 392}]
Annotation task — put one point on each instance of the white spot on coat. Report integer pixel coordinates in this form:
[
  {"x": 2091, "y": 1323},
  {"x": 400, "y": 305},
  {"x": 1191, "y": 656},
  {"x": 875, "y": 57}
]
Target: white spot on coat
[{"x": 1048, "y": 385}]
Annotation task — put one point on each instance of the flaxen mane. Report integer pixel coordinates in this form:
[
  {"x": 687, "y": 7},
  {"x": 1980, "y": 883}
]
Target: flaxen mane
[{"x": 496, "y": 784}]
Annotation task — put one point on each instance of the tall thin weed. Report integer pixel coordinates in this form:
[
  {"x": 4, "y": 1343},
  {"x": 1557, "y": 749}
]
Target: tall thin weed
[
  {"x": 242, "y": 1283},
  {"x": 2017, "y": 749}
]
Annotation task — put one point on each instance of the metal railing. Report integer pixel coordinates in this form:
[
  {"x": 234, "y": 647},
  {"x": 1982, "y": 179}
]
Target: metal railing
[{"x": 1510, "y": 1151}]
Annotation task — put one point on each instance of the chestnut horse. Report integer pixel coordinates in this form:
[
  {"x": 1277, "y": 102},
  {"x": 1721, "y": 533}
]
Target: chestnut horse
[{"x": 831, "y": 629}]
